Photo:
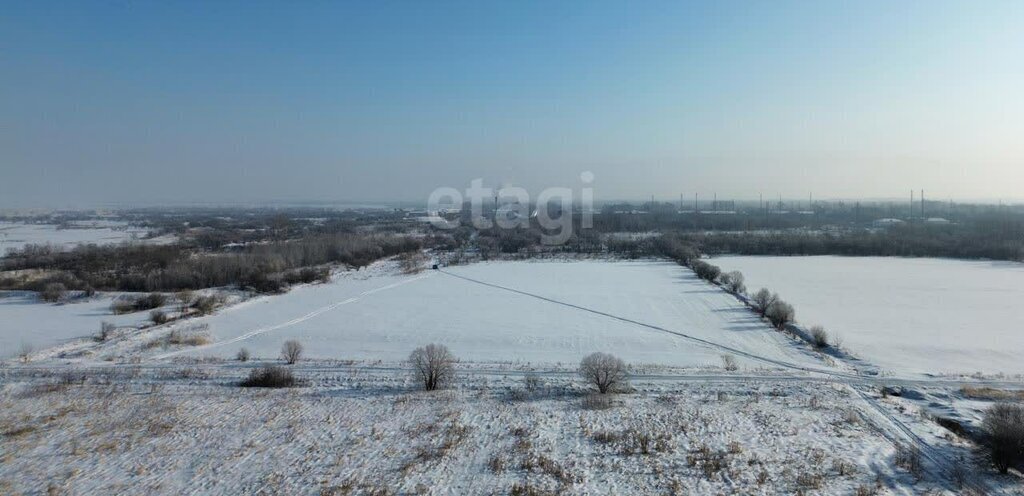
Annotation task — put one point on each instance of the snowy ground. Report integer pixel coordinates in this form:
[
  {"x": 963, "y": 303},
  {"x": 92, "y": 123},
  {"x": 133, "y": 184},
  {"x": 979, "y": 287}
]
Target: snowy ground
[
  {"x": 139, "y": 414},
  {"x": 906, "y": 315},
  {"x": 385, "y": 316},
  {"x": 26, "y": 320},
  {"x": 15, "y": 235},
  {"x": 188, "y": 429}
]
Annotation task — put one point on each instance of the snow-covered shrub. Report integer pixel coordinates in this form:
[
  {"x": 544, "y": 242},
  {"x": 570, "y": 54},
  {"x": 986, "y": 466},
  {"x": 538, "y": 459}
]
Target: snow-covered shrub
[
  {"x": 243, "y": 355},
  {"x": 729, "y": 363},
  {"x": 1003, "y": 443},
  {"x": 291, "y": 350},
  {"x": 158, "y": 317},
  {"x": 433, "y": 365},
  {"x": 705, "y": 270},
  {"x": 780, "y": 313},
  {"x": 733, "y": 281},
  {"x": 819, "y": 337},
  {"x": 763, "y": 300},
  {"x": 54, "y": 292},
  {"x": 603, "y": 370}
]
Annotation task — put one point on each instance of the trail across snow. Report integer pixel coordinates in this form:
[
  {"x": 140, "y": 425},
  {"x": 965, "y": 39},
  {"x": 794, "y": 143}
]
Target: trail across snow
[
  {"x": 297, "y": 320},
  {"x": 542, "y": 313}
]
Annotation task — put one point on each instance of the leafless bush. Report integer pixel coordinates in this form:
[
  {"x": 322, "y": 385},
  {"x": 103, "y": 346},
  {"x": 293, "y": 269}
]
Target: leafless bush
[
  {"x": 159, "y": 317},
  {"x": 780, "y": 313},
  {"x": 991, "y": 394},
  {"x": 819, "y": 337},
  {"x": 412, "y": 262},
  {"x": 270, "y": 377},
  {"x": 184, "y": 298},
  {"x": 189, "y": 337},
  {"x": 865, "y": 490},
  {"x": 525, "y": 489},
  {"x": 763, "y": 300},
  {"x": 603, "y": 370},
  {"x": 433, "y": 365},
  {"x": 810, "y": 480},
  {"x": 243, "y": 355},
  {"x": 497, "y": 463},
  {"x": 709, "y": 461},
  {"x": 532, "y": 383},
  {"x": 1003, "y": 442},
  {"x": 596, "y": 401},
  {"x": 291, "y": 350},
  {"x": 53, "y": 292},
  {"x": 137, "y": 304},
  {"x": 25, "y": 352},
  {"x": 909, "y": 459},
  {"x": 106, "y": 330},
  {"x": 705, "y": 270},
  {"x": 729, "y": 363},
  {"x": 733, "y": 281},
  {"x": 642, "y": 440},
  {"x": 205, "y": 305}
]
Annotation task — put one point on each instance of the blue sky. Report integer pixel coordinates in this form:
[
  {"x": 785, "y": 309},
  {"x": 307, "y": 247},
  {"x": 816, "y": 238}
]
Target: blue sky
[{"x": 124, "y": 101}]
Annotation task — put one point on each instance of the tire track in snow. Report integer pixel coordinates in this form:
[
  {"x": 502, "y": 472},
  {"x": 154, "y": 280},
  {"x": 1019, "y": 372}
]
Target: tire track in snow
[
  {"x": 297, "y": 320},
  {"x": 940, "y": 462},
  {"x": 700, "y": 341}
]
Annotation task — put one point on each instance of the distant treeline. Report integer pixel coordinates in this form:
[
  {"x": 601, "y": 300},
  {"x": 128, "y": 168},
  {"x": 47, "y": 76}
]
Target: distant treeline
[
  {"x": 908, "y": 241},
  {"x": 265, "y": 267}
]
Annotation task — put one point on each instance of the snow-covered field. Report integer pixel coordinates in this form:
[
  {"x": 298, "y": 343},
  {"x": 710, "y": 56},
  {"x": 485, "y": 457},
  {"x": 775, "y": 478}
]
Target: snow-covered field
[
  {"x": 26, "y": 320},
  {"x": 15, "y": 235},
  {"x": 179, "y": 431},
  {"x": 384, "y": 317},
  {"x": 137, "y": 414},
  {"x": 907, "y": 315}
]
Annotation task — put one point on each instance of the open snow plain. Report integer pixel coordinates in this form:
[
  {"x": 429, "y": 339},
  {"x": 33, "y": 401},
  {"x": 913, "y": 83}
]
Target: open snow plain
[
  {"x": 906, "y": 315},
  {"x": 16, "y": 235},
  {"x": 481, "y": 313},
  {"x": 138, "y": 415},
  {"x": 25, "y": 320}
]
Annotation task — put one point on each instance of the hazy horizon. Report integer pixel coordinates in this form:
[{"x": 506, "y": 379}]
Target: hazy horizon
[{"x": 249, "y": 102}]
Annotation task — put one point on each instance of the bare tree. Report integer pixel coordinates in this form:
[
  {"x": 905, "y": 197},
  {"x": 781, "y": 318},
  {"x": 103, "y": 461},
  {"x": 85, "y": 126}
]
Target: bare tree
[
  {"x": 433, "y": 365},
  {"x": 763, "y": 300},
  {"x": 106, "y": 330},
  {"x": 291, "y": 350},
  {"x": 780, "y": 313},
  {"x": 733, "y": 281},
  {"x": 1004, "y": 435},
  {"x": 604, "y": 371},
  {"x": 243, "y": 355}
]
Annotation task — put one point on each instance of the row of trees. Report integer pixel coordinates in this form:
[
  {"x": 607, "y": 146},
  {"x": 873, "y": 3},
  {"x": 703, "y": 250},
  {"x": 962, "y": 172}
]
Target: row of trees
[{"x": 265, "y": 267}]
